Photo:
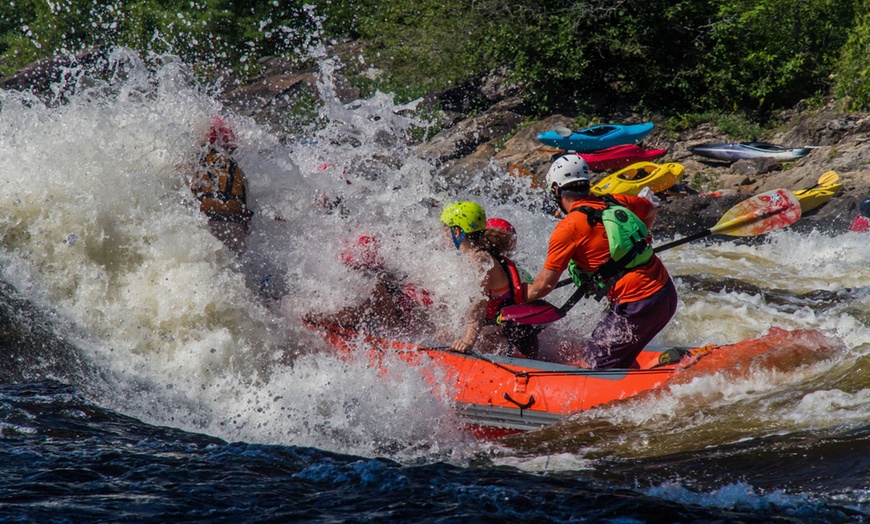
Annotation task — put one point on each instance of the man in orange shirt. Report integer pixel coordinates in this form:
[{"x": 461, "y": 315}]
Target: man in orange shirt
[{"x": 642, "y": 299}]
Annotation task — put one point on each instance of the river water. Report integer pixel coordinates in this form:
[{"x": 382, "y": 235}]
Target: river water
[{"x": 150, "y": 375}]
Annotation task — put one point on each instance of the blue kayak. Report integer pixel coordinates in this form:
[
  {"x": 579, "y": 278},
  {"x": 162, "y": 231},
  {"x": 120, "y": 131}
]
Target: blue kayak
[{"x": 596, "y": 137}]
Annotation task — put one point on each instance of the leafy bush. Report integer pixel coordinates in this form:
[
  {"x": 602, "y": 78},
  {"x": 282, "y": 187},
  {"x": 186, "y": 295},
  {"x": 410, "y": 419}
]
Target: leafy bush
[
  {"x": 691, "y": 55},
  {"x": 574, "y": 56},
  {"x": 216, "y": 34},
  {"x": 852, "y": 77}
]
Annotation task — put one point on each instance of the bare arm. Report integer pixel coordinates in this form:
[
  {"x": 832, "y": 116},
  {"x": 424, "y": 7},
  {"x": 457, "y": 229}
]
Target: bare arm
[
  {"x": 544, "y": 283},
  {"x": 475, "y": 323},
  {"x": 494, "y": 277}
]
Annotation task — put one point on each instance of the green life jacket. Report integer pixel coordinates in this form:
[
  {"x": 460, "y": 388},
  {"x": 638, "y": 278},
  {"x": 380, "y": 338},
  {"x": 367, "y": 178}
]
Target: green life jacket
[{"x": 629, "y": 242}]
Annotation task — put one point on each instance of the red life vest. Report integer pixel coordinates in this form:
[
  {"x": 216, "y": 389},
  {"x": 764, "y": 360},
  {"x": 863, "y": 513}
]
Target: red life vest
[{"x": 514, "y": 296}]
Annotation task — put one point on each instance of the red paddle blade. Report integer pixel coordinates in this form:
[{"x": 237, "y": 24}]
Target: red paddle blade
[{"x": 534, "y": 312}]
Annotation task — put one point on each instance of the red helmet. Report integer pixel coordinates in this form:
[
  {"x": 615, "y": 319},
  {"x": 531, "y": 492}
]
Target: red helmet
[
  {"x": 501, "y": 224},
  {"x": 219, "y": 133},
  {"x": 364, "y": 253}
]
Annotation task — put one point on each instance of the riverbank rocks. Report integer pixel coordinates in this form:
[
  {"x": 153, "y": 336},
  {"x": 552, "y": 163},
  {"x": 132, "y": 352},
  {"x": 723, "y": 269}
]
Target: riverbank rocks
[{"x": 486, "y": 130}]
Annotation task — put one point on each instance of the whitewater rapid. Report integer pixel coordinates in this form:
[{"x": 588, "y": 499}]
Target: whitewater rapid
[{"x": 100, "y": 232}]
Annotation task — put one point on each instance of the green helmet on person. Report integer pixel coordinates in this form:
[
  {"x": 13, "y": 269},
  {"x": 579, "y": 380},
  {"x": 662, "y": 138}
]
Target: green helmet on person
[{"x": 467, "y": 216}]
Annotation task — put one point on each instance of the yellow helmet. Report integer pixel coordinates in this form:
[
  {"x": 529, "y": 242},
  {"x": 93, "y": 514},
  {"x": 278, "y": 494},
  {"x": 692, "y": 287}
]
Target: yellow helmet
[{"x": 468, "y": 216}]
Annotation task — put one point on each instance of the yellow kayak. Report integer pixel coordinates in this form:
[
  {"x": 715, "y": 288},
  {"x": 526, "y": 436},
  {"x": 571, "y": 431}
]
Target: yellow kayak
[
  {"x": 815, "y": 197},
  {"x": 632, "y": 179}
]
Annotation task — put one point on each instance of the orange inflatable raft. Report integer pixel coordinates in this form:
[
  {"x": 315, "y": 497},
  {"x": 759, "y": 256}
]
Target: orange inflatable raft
[{"x": 498, "y": 395}]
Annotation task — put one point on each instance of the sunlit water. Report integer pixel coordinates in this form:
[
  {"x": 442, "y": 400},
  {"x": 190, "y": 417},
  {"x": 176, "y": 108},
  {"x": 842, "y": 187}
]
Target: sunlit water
[{"x": 151, "y": 317}]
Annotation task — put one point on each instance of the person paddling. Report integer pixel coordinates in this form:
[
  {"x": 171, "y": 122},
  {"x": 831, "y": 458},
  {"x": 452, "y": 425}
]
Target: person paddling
[
  {"x": 486, "y": 248},
  {"x": 642, "y": 297},
  {"x": 862, "y": 221}
]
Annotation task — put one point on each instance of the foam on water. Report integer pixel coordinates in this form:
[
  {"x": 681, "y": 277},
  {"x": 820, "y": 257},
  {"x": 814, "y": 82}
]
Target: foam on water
[{"x": 737, "y": 496}]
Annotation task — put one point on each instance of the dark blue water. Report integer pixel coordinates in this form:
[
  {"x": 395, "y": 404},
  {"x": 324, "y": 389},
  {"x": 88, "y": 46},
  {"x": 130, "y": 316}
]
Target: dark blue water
[{"x": 67, "y": 460}]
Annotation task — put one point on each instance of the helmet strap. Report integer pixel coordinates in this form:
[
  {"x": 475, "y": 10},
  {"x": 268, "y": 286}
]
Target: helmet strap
[{"x": 457, "y": 240}]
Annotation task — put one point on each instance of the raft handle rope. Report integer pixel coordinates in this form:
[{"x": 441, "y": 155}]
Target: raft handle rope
[{"x": 527, "y": 405}]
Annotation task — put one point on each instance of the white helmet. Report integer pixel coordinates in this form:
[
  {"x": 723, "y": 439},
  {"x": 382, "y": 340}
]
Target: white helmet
[{"x": 567, "y": 169}]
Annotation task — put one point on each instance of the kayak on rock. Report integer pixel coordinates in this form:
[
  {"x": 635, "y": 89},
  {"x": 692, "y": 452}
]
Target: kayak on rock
[
  {"x": 730, "y": 152},
  {"x": 818, "y": 195},
  {"x": 813, "y": 198},
  {"x": 618, "y": 157},
  {"x": 595, "y": 138},
  {"x": 612, "y": 158},
  {"x": 632, "y": 179}
]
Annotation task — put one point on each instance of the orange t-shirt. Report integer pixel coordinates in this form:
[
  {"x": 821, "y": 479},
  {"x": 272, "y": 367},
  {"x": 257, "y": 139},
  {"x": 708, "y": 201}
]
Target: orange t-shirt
[{"x": 573, "y": 239}]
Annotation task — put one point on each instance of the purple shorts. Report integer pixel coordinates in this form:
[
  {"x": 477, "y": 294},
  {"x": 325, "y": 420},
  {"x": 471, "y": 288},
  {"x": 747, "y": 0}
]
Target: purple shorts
[{"x": 627, "y": 328}]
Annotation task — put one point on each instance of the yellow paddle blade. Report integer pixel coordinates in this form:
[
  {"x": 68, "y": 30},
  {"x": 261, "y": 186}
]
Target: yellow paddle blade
[
  {"x": 762, "y": 213},
  {"x": 828, "y": 178}
]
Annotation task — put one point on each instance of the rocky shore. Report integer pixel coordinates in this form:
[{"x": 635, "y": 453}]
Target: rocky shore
[{"x": 485, "y": 123}]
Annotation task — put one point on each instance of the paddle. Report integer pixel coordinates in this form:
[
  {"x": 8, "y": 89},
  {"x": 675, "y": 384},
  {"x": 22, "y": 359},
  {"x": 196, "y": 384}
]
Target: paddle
[
  {"x": 826, "y": 179},
  {"x": 759, "y": 214}
]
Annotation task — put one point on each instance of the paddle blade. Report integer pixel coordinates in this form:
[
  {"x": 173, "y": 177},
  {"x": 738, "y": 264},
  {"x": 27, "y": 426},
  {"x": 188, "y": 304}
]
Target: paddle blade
[
  {"x": 828, "y": 178},
  {"x": 534, "y": 312},
  {"x": 762, "y": 213}
]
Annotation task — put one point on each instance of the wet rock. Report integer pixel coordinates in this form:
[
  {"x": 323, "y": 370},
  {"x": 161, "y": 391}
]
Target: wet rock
[
  {"x": 463, "y": 139},
  {"x": 755, "y": 166},
  {"x": 39, "y": 76}
]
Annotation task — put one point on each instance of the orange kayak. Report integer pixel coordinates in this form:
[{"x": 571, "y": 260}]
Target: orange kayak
[{"x": 498, "y": 395}]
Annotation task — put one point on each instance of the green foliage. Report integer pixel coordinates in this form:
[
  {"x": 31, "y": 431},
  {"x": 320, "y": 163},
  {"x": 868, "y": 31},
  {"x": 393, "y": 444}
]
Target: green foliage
[
  {"x": 425, "y": 45},
  {"x": 736, "y": 125},
  {"x": 853, "y": 69},
  {"x": 769, "y": 54},
  {"x": 695, "y": 55},
  {"x": 427, "y": 124},
  {"x": 216, "y": 34},
  {"x": 601, "y": 56},
  {"x": 576, "y": 56}
]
